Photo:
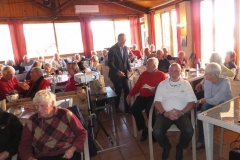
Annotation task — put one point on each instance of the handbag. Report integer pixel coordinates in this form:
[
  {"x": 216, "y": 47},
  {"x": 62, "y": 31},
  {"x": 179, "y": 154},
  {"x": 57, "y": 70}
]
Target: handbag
[{"x": 97, "y": 87}]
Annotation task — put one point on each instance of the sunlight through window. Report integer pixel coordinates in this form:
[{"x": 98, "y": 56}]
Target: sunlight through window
[{"x": 5, "y": 43}]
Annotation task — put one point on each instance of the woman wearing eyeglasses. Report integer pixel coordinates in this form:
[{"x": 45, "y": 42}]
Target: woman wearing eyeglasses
[{"x": 53, "y": 133}]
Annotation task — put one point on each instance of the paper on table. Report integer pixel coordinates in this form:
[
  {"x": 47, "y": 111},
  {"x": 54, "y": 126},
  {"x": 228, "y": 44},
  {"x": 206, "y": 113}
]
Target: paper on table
[{"x": 146, "y": 86}]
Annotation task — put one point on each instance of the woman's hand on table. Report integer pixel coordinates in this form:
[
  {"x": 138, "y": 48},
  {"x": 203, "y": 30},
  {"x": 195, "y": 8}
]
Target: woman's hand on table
[
  {"x": 23, "y": 85},
  {"x": 31, "y": 158}
]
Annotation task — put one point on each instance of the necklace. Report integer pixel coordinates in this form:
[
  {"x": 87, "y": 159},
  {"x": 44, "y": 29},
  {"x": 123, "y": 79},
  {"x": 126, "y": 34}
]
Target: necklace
[{"x": 174, "y": 85}]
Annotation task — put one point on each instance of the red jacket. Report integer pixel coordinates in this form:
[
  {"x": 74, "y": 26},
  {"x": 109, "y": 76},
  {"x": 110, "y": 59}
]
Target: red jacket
[
  {"x": 7, "y": 86},
  {"x": 137, "y": 53},
  {"x": 70, "y": 84},
  {"x": 43, "y": 85},
  {"x": 152, "y": 79}
]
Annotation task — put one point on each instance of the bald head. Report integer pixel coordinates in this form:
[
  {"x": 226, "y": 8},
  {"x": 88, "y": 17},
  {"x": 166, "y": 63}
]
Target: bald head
[{"x": 174, "y": 71}]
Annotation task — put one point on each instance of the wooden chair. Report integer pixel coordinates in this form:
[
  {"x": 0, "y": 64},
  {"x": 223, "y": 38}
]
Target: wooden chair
[
  {"x": 3, "y": 104},
  {"x": 172, "y": 128}
]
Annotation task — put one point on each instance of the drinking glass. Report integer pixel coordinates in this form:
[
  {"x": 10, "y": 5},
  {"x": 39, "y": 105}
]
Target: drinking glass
[{"x": 187, "y": 72}]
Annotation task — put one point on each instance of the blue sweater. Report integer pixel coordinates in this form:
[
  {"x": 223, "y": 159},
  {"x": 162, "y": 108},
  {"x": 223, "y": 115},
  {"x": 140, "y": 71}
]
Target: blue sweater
[{"x": 217, "y": 93}]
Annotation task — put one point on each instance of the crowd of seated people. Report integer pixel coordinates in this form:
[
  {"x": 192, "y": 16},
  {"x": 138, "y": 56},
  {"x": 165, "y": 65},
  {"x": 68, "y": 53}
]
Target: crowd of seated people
[{"x": 216, "y": 89}]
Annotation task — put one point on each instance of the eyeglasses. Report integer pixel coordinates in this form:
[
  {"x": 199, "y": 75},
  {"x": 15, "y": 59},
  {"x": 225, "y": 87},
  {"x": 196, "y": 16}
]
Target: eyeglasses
[{"x": 176, "y": 85}]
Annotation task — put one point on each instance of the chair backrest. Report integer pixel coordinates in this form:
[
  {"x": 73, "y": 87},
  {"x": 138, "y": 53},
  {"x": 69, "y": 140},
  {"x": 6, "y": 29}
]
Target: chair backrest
[{"x": 3, "y": 104}]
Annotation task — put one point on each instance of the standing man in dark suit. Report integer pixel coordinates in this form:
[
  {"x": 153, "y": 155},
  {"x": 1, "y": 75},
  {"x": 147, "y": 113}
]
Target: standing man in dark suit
[{"x": 118, "y": 70}]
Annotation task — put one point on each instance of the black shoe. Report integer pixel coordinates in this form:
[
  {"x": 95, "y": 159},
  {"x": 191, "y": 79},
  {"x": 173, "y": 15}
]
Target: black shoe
[
  {"x": 144, "y": 134},
  {"x": 179, "y": 154},
  {"x": 165, "y": 153}
]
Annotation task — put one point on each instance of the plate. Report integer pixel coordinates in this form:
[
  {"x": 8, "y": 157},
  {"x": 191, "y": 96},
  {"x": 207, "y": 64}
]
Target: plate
[{"x": 192, "y": 69}]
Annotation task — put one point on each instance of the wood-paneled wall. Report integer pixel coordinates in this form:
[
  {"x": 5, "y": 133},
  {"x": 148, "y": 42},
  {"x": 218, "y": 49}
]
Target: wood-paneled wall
[{"x": 29, "y": 10}]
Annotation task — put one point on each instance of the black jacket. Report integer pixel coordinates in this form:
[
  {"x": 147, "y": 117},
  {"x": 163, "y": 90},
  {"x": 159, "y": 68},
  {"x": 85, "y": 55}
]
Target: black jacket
[
  {"x": 10, "y": 133},
  {"x": 117, "y": 63}
]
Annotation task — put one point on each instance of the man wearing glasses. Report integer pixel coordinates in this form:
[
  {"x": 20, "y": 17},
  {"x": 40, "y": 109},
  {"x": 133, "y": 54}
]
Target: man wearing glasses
[{"x": 174, "y": 98}]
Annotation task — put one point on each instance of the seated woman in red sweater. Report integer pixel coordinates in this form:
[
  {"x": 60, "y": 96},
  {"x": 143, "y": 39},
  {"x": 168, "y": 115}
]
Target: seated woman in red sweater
[
  {"x": 72, "y": 69},
  {"x": 181, "y": 60}
]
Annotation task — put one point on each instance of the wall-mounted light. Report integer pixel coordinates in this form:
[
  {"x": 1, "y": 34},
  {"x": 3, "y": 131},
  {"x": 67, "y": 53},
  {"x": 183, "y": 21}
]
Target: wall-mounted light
[{"x": 181, "y": 25}]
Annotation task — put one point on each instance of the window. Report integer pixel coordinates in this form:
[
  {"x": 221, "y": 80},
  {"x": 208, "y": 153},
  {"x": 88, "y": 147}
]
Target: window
[
  {"x": 69, "y": 37},
  {"x": 40, "y": 39},
  {"x": 105, "y": 33},
  {"x": 5, "y": 43},
  {"x": 206, "y": 31},
  {"x": 166, "y": 29},
  {"x": 222, "y": 27},
  {"x": 123, "y": 27},
  {"x": 174, "y": 33},
  {"x": 158, "y": 33}
]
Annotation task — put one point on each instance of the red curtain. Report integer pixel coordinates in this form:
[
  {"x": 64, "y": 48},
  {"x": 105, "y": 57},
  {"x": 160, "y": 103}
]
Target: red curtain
[
  {"x": 135, "y": 31},
  {"x": 196, "y": 29},
  {"x": 152, "y": 28},
  {"x": 87, "y": 38},
  {"x": 178, "y": 28},
  {"x": 18, "y": 39}
]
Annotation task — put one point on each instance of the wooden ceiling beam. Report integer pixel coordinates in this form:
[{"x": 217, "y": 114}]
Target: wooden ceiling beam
[{"x": 131, "y": 6}]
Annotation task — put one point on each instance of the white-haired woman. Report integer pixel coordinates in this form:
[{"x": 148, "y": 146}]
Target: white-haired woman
[
  {"x": 136, "y": 52},
  {"x": 216, "y": 90},
  {"x": 181, "y": 60},
  {"x": 95, "y": 65},
  {"x": 77, "y": 58},
  {"x": 54, "y": 133}
]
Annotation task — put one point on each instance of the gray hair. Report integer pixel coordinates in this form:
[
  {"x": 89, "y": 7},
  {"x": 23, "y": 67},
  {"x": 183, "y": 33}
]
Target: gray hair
[
  {"x": 7, "y": 62},
  {"x": 175, "y": 64},
  {"x": 154, "y": 60},
  {"x": 181, "y": 52},
  {"x": 121, "y": 35},
  {"x": 38, "y": 70},
  {"x": 6, "y": 69},
  {"x": 215, "y": 57},
  {"x": 213, "y": 68},
  {"x": 44, "y": 96}
]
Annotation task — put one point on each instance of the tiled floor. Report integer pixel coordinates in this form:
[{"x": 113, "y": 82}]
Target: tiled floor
[{"x": 133, "y": 149}]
